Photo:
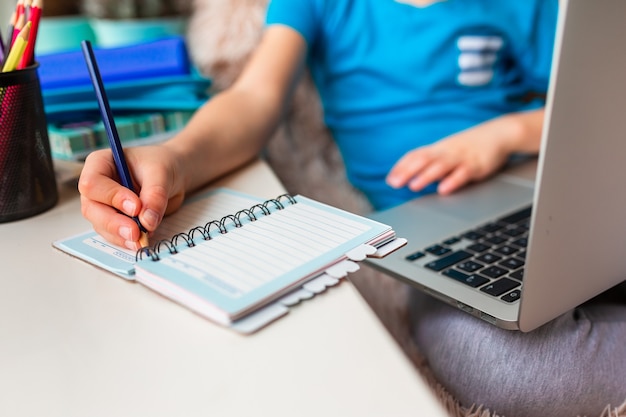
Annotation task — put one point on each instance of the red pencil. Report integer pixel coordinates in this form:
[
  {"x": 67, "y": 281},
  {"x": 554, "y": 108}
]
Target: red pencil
[
  {"x": 36, "y": 10},
  {"x": 21, "y": 22},
  {"x": 18, "y": 19}
]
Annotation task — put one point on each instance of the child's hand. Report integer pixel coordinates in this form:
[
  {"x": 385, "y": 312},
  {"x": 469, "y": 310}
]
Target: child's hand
[
  {"x": 470, "y": 155},
  {"x": 157, "y": 179}
]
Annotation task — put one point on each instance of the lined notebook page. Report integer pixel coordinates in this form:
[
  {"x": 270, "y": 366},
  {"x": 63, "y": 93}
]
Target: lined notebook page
[
  {"x": 248, "y": 257},
  {"x": 197, "y": 211},
  {"x": 249, "y": 265}
]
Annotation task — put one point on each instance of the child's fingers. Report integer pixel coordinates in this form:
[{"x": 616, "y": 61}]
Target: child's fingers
[
  {"x": 115, "y": 227},
  {"x": 409, "y": 166},
  {"x": 454, "y": 180},
  {"x": 98, "y": 183},
  {"x": 431, "y": 173}
]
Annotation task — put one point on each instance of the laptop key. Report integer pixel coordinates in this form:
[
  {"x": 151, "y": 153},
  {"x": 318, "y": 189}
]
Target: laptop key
[
  {"x": 506, "y": 250},
  {"x": 494, "y": 271},
  {"x": 488, "y": 258},
  {"x": 451, "y": 241},
  {"x": 512, "y": 296},
  {"x": 438, "y": 250},
  {"x": 490, "y": 228},
  {"x": 478, "y": 247},
  {"x": 517, "y": 216},
  {"x": 512, "y": 263},
  {"x": 519, "y": 274},
  {"x": 473, "y": 235},
  {"x": 415, "y": 256},
  {"x": 469, "y": 266},
  {"x": 522, "y": 242},
  {"x": 448, "y": 260},
  {"x": 472, "y": 280},
  {"x": 500, "y": 286},
  {"x": 514, "y": 232},
  {"x": 496, "y": 240}
]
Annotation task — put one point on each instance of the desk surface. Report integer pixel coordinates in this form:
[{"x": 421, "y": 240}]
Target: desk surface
[{"x": 78, "y": 341}]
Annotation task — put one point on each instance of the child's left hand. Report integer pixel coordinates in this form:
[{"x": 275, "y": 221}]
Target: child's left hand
[{"x": 470, "y": 155}]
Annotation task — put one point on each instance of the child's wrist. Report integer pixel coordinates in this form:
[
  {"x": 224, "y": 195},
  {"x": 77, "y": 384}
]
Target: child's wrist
[
  {"x": 523, "y": 131},
  {"x": 516, "y": 132}
]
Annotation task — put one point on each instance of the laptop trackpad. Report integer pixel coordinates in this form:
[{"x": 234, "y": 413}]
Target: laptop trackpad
[
  {"x": 481, "y": 202},
  {"x": 432, "y": 217}
]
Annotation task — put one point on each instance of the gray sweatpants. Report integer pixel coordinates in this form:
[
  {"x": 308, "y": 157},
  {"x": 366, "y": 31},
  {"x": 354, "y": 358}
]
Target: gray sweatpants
[{"x": 574, "y": 365}]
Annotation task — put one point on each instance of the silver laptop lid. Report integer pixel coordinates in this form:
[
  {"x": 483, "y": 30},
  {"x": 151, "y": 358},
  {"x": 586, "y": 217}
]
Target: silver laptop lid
[{"x": 577, "y": 246}]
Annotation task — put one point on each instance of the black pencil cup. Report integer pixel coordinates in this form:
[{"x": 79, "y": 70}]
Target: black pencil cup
[{"x": 27, "y": 181}]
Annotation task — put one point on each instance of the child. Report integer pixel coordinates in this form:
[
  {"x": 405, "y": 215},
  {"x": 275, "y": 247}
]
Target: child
[
  {"x": 409, "y": 101},
  {"x": 419, "y": 96}
]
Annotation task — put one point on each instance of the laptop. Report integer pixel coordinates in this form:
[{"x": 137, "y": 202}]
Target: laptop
[{"x": 545, "y": 235}]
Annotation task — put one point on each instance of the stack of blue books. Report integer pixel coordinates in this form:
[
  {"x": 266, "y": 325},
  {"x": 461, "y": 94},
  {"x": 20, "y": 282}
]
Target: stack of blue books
[{"x": 152, "y": 88}]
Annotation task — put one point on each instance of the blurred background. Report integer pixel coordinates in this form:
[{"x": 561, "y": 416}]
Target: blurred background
[{"x": 6, "y": 8}]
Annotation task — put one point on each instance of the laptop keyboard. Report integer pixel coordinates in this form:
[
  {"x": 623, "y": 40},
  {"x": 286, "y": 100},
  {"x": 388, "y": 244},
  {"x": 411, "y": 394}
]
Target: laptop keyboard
[{"x": 489, "y": 258}]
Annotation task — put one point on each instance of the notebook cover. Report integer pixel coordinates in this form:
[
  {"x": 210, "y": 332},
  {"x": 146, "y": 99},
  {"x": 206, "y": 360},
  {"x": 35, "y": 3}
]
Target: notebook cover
[
  {"x": 159, "y": 58},
  {"x": 180, "y": 92}
]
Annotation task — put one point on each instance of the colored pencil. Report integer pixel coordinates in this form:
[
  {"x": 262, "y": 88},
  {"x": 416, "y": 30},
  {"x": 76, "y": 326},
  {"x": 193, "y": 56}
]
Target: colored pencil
[
  {"x": 2, "y": 50},
  {"x": 36, "y": 9},
  {"x": 20, "y": 20},
  {"x": 9, "y": 38},
  {"x": 17, "y": 50}
]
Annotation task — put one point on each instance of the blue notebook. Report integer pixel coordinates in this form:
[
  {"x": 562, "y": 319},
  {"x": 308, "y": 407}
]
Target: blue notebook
[
  {"x": 181, "y": 92},
  {"x": 243, "y": 262},
  {"x": 160, "y": 58}
]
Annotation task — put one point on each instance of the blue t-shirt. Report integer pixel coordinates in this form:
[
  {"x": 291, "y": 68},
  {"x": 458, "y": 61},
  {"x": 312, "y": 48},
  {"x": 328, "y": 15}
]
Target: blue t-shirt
[{"x": 393, "y": 77}]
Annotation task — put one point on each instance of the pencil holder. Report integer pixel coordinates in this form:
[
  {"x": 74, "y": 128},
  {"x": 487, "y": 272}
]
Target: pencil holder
[{"x": 27, "y": 181}]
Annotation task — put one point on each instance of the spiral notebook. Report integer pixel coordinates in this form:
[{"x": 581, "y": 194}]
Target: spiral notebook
[{"x": 240, "y": 261}]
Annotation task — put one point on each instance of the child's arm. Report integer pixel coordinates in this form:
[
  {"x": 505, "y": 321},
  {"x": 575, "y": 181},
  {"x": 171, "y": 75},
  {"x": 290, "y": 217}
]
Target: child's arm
[
  {"x": 470, "y": 155},
  {"x": 227, "y": 132},
  {"x": 232, "y": 127}
]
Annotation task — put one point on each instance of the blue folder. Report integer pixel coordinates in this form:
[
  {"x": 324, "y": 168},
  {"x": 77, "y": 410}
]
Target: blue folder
[
  {"x": 183, "y": 92},
  {"x": 160, "y": 58}
]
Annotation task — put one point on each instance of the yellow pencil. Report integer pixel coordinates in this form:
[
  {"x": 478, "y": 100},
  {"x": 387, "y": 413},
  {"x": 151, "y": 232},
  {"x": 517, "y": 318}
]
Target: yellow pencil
[{"x": 17, "y": 50}]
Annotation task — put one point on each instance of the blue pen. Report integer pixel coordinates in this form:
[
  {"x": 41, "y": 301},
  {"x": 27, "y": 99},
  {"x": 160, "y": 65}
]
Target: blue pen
[{"x": 109, "y": 125}]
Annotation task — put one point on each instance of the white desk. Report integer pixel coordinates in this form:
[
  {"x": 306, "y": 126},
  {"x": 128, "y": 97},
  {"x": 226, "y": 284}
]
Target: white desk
[{"x": 78, "y": 341}]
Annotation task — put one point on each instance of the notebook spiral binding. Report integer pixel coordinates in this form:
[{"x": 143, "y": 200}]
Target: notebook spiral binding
[{"x": 260, "y": 209}]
